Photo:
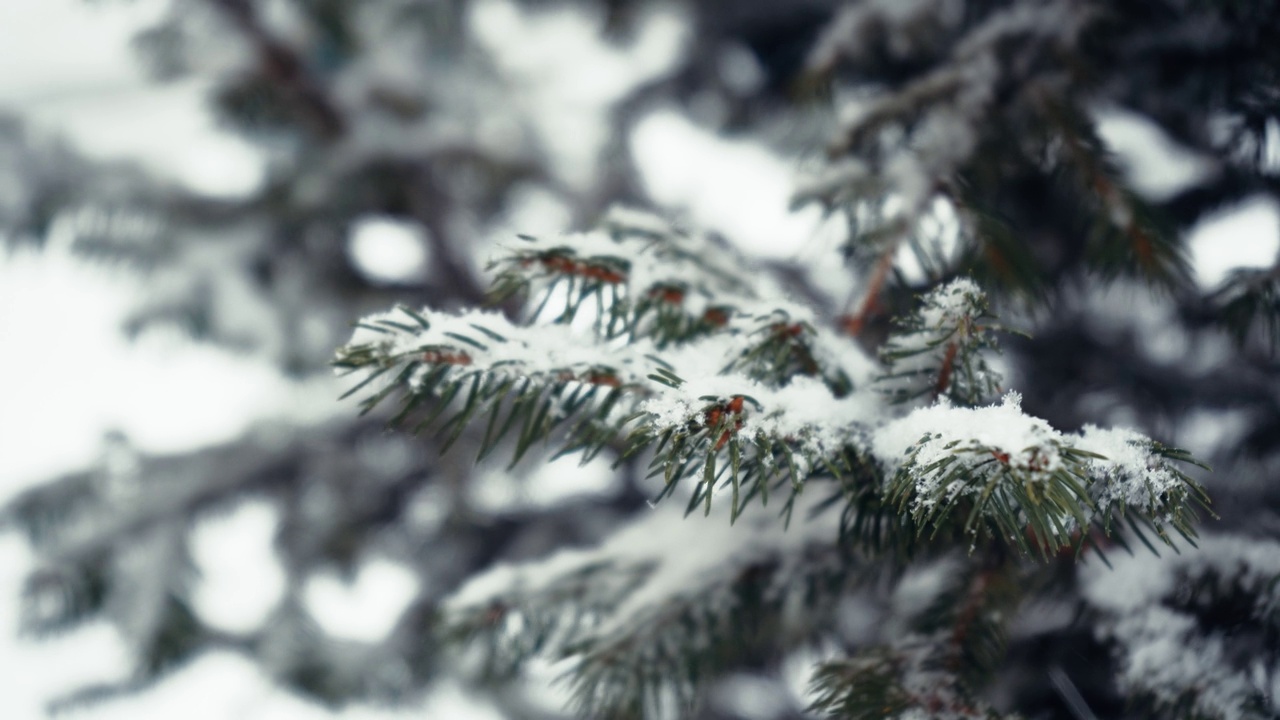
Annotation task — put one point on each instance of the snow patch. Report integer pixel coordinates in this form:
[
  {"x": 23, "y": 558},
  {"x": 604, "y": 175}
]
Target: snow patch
[
  {"x": 388, "y": 250},
  {"x": 735, "y": 187},
  {"x": 1243, "y": 237},
  {"x": 241, "y": 579},
  {"x": 366, "y": 609}
]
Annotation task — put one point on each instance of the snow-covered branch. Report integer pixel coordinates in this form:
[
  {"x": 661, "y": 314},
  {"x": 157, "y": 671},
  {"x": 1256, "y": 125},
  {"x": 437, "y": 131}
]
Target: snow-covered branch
[
  {"x": 769, "y": 398},
  {"x": 939, "y": 350},
  {"x": 997, "y": 473},
  {"x": 548, "y": 375},
  {"x": 1155, "y": 612},
  {"x": 641, "y": 610},
  {"x": 639, "y": 275}
]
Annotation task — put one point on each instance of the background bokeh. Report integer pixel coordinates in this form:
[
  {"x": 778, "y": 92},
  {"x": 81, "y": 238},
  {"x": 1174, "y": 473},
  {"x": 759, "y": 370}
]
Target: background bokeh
[{"x": 132, "y": 330}]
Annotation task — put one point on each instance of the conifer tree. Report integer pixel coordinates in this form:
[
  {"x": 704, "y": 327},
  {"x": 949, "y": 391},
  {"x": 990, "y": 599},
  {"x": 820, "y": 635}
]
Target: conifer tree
[{"x": 861, "y": 487}]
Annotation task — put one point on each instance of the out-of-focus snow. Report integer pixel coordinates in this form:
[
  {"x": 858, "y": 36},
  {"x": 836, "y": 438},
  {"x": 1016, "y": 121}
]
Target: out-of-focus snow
[
  {"x": 1161, "y": 650},
  {"x": 1244, "y": 236},
  {"x": 550, "y": 483},
  {"x": 219, "y": 685},
  {"x": 167, "y": 128},
  {"x": 365, "y": 609},
  {"x": 569, "y": 76},
  {"x": 241, "y": 580},
  {"x": 388, "y": 250},
  {"x": 80, "y": 377},
  {"x": 53, "y": 47},
  {"x": 734, "y": 186},
  {"x": 1206, "y": 432},
  {"x": 66, "y": 66},
  {"x": 1154, "y": 164},
  {"x": 36, "y": 670},
  {"x": 77, "y": 379}
]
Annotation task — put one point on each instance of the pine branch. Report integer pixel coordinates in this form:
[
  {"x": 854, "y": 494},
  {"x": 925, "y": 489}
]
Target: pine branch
[
  {"x": 545, "y": 376},
  {"x": 942, "y": 654},
  {"x": 995, "y": 474},
  {"x": 1249, "y": 300},
  {"x": 899, "y": 681},
  {"x": 645, "y": 624},
  {"x": 745, "y": 412},
  {"x": 938, "y": 351},
  {"x": 765, "y": 391},
  {"x": 533, "y": 380},
  {"x": 639, "y": 276},
  {"x": 1172, "y": 624},
  {"x": 940, "y": 138}
]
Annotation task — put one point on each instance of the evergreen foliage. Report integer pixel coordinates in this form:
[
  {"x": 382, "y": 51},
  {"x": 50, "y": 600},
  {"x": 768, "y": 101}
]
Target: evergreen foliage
[
  {"x": 731, "y": 410},
  {"x": 822, "y": 466}
]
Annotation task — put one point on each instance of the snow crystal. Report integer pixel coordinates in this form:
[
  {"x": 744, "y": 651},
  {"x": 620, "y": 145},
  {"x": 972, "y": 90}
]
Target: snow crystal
[
  {"x": 1133, "y": 474},
  {"x": 667, "y": 413}
]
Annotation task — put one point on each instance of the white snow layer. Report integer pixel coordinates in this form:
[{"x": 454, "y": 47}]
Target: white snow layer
[
  {"x": 1003, "y": 427},
  {"x": 1128, "y": 474},
  {"x": 1132, "y": 476}
]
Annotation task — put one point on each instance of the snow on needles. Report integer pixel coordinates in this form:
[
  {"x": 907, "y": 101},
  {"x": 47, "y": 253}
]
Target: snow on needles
[
  {"x": 1129, "y": 472},
  {"x": 1026, "y": 440},
  {"x": 949, "y": 304},
  {"x": 804, "y": 409},
  {"x": 1126, "y": 473},
  {"x": 651, "y": 252},
  {"x": 489, "y": 341}
]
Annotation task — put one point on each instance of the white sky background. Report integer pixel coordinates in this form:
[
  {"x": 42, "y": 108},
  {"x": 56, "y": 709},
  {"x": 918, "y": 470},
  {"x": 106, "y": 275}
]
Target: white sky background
[{"x": 65, "y": 66}]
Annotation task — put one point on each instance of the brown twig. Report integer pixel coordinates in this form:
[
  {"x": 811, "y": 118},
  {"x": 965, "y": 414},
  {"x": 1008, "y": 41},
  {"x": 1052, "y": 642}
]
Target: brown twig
[{"x": 853, "y": 324}]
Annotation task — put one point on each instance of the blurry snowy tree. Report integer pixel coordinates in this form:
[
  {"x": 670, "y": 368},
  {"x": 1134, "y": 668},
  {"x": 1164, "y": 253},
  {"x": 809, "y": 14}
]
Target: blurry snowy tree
[{"x": 847, "y": 491}]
